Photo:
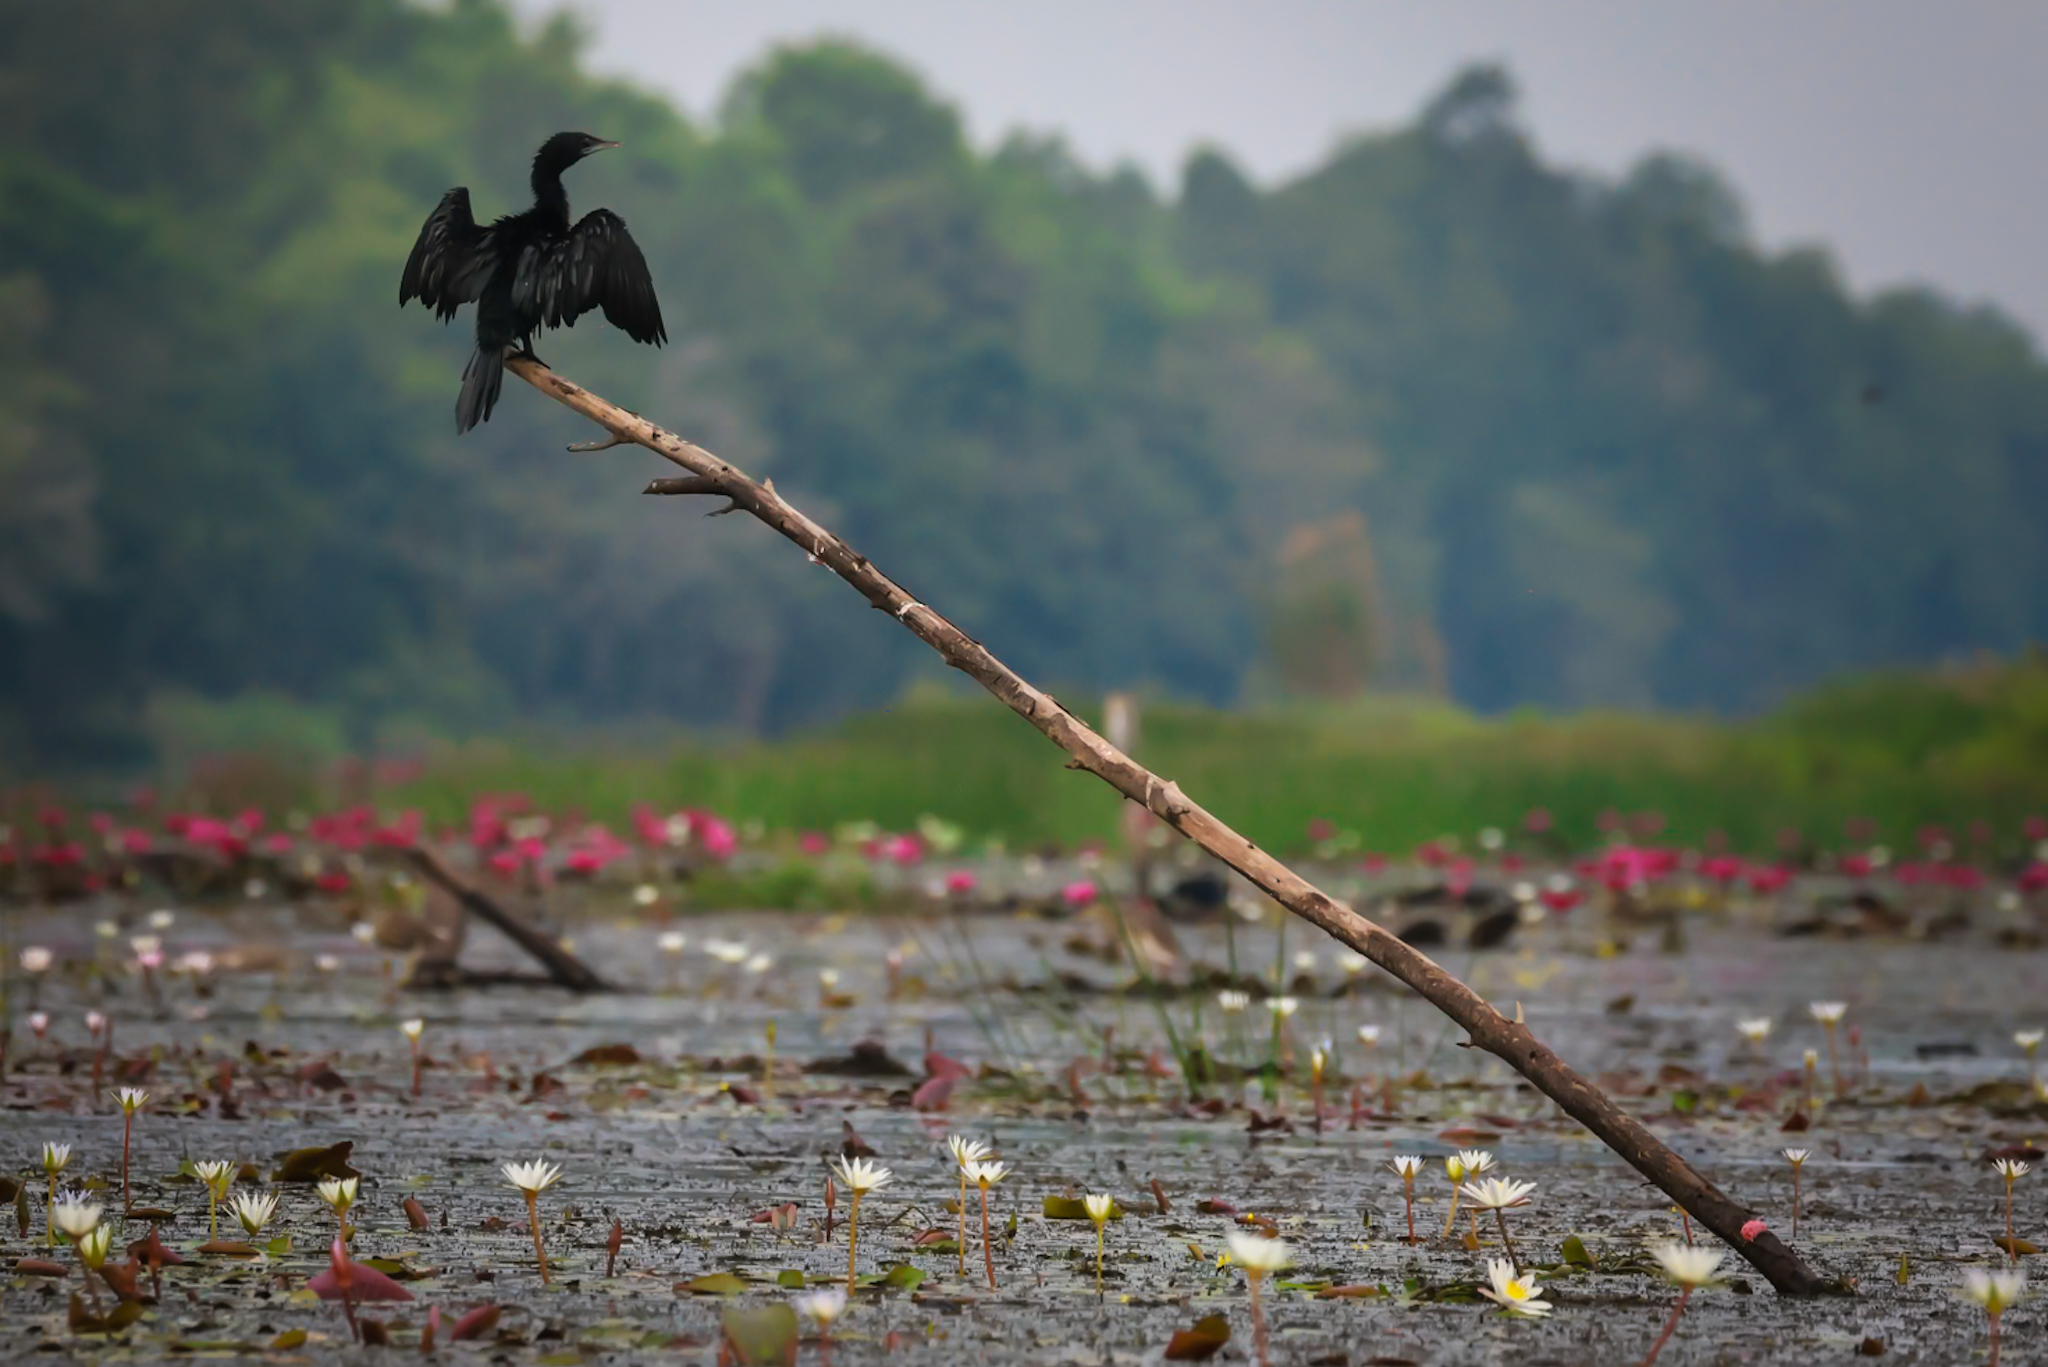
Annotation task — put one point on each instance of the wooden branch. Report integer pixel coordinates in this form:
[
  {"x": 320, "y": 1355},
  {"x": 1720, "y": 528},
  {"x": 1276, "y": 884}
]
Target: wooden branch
[
  {"x": 1508, "y": 1040},
  {"x": 564, "y": 969}
]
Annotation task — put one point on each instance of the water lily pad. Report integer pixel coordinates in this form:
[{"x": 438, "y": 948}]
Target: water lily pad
[
  {"x": 765, "y": 1336},
  {"x": 714, "y": 1284}
]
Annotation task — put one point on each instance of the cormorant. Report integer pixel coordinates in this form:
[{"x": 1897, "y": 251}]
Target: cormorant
[{"x": 527, "y": 271}]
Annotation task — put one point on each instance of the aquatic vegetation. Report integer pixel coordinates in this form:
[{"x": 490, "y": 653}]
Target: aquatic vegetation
[
  {"x": 1514, "y": 1292},
  {"x": 862, "y": 1177},
  {"x": 1797, "y": 1158},
  {"x": 131, "y": 1100},
  {"x": 532, "y": 1179},
  {"x": 1690, "y": 1269},
  {"x": 1258, "y": 1255},
  {"x": 1996, "y": 1293},
  {"x": 1100, "y": 1206}
]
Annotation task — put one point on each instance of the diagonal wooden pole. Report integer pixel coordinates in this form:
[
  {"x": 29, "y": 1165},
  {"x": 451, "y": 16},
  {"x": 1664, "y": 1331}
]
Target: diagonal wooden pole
[{"x": 1510, "y": 1041}]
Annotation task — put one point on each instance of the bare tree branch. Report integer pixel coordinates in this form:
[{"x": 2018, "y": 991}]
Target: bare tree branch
[{"x": 1508, "y": 1040}]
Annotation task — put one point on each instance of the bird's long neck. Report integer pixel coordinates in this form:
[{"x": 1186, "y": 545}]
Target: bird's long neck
[{"x": 549, "y": 198}]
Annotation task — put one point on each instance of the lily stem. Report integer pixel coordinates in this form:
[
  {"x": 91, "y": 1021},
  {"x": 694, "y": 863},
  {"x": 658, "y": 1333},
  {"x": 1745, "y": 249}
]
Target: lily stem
[
  {"x": 1684, "y": 1294},
  {"x": 1501, "y": 1217},
  {"x": 1258, "y": 1316},
  {"x": 540, "y": 1253},
  {"x": 988, "y": 1254},
  {"x": 852, "y": 1237}
]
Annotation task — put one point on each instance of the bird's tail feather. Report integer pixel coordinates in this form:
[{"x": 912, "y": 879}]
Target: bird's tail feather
[{"x": 481, "y": 380}]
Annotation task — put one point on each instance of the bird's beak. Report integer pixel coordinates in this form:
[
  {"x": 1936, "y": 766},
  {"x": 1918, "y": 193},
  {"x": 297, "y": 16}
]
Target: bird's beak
[{"x": 601, "y": 146}]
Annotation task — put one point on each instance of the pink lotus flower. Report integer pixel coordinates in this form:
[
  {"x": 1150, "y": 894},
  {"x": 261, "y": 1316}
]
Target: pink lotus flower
[
  {"x": 714, "y": 835},
  {"x": 1769, "y": 878},
  {"x": 1856, "y": 865},
  {"x": 1753, "y": 1228},
  {"x": 2034, "y": 878},
  {"x": 1560, "y": 900},
  {"x": 960, "y": 882},
  {"x": 813, "y": 843},
  {"x": 1079, "y": 893}
]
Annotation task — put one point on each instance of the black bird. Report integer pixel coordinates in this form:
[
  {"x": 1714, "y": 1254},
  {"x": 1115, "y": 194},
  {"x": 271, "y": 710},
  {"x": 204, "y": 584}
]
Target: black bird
[{"x": 529, "y": 271}]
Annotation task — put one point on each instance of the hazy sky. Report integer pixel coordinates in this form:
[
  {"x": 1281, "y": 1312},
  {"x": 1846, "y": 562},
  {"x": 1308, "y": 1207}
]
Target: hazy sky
[{"x": 1908, "y": 134}]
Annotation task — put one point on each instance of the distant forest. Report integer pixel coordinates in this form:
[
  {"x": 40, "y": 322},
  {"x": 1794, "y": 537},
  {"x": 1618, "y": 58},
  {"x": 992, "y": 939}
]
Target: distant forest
[{"x": 1435, "y": 416}]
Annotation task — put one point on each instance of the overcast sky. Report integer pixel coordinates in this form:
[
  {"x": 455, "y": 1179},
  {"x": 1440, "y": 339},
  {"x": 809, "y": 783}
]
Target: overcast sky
[{"x": 1907, "y": 134}]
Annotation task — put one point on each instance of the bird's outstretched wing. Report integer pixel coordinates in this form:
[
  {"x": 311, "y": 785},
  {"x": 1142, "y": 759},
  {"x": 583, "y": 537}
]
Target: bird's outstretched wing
[
  {"x": 452, "y": 259},
  {"x": 597, "y": 266}
]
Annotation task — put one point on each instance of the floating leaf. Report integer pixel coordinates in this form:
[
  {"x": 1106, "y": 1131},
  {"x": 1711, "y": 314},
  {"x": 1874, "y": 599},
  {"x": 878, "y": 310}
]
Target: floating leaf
[
  {"x": 713, "y": 1284},
  {"x": 227, "y": 1248},
  {"x": 790, "y": 1278},
  {"x": 396, "y": 1270},
  {"x": 935, "y": 1241},
  {"x": 279, "y": 1246},
  {"x": 83, "y": 1321},
  {"x": 40, "y": 1267},
  {"x": 765, "y": 1336},
  {"x": 1575, "y": 1254},
  {"x": 290, "y": 1338},
  {"x": 316, "y": 1164},
  {"x": 608, "y": 1056},
  {"x": 1073, "y": 1208},
  {"x": 2013, "y": 1248},
  {"x": 1200, "y": 1342},
  {"x": 415, "y": 1214},
  {"x": 903, "y": 1277},
  {"x": 1358, "y": 1292}
]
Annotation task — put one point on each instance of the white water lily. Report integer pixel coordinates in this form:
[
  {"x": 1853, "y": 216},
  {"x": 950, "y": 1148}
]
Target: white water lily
[
  {"x": 1756, "y": 1030},
  {"x": 966, "y": 1150},
  {"x": 37, "y": 959},
  {"x": 1099, "y": 1206},
  {"x": 2012, "y": 1169},
  {"x": 822, "y": 1307},
  {"x": 1283, "y": 1007},
  {"x": 860, "y": 1175},
  {"x": 1407, "y": 1167},
  {"x": 731, "y": 952},
  {"x": 1369, "y": 1036},
  {"x": 131, "y": 1099},
  {"x": 92, "y": 1248},
  {"x": 986, "y": 1174},
  {"x": 1517, "y": 1295},
  {"x": 1255, "y": 1253},
  {"x": 1229, "y": 999},
  {"x": 1796, "y": 1156},
  {"x": 254, "y": 1210},
  {"x": 1495, "y": 1193},
  {"x": 1997, "y": 1292},
  {"x": 76, "y": 1215},
  {"x": 1828, "y": 1013},
  {"x": 1689, "y": 1266},
  {"x": 412, "y": 1029},
  {"x": 536, "y": 1176},
  {"x": 56, "y": 1157},
  {"x": 339, "y": 1192}
]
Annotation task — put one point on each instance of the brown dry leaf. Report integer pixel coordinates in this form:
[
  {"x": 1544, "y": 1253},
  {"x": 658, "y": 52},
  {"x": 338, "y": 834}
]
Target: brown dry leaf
[
  {"x": 1200, "y": 1342},
  {"x": 316, "y": 1164}
]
